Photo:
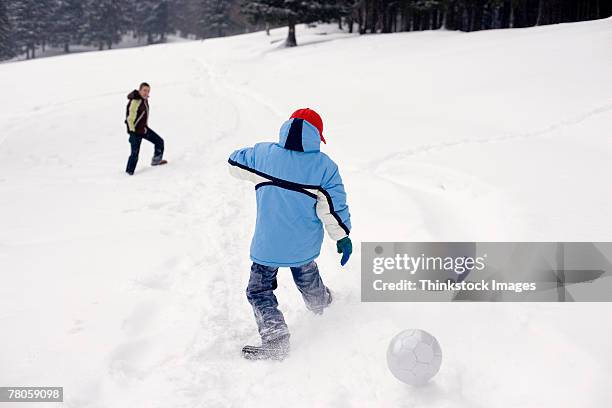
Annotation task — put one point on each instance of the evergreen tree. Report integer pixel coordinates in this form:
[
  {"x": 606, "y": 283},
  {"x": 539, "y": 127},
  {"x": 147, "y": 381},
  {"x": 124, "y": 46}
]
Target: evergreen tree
[
  {"x": 105, "y": 21},
  {"x": 151, "y": 19},
  {"x": 27, "y": 25},
  {"x": 186, "y": 16},
  {"x": 214, "y": 17},
  {"x": 6, "y": 35},
  {"x": 68, "y": 23},
  {"x": 290, "y": 12},
  {"x": 345, "y": 10},
  {"x": 45, "y": 12},
  {"x": 158, "y": 20},
  {"x": 143, "y": 10}
]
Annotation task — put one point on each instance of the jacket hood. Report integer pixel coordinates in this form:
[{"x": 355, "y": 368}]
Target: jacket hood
[
  {"x": 299, "y": 135},
  {"x": 134, "y": 95}
]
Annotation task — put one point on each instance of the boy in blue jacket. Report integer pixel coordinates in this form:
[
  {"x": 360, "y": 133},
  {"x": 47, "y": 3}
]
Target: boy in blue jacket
[{"x": 298, "y": 190}]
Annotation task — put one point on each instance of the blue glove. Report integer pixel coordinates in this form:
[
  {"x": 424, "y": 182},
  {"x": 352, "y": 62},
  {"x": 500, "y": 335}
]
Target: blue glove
[{"x": 345, "y": 247}]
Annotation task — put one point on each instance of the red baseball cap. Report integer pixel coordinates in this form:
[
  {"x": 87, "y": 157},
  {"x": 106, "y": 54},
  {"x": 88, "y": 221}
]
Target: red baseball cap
[{"x": 311, "y": 117}]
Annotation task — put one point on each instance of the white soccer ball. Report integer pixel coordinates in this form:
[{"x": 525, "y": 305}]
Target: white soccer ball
[{"x": 414, "y": 356}]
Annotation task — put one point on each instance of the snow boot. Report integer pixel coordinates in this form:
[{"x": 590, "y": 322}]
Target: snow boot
[
  {"x": 277, "y": 349},
  {"x": 159, "y": 162}
]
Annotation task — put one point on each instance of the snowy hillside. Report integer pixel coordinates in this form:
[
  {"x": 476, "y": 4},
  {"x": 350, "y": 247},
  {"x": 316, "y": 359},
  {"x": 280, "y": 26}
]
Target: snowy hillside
[{"x": 129, "y": 292}]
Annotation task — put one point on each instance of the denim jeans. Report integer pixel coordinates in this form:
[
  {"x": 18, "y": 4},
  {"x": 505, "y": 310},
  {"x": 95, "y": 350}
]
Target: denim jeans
[
  {"x": 135, "y": 141},
  {"x": 260, "y": 293}
]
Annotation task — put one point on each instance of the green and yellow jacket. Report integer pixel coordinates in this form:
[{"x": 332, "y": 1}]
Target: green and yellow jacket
[{"x": 137, "y": 113}]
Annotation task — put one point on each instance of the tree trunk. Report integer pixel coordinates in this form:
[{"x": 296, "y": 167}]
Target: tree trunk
[
  {"x": 386, "y": 20},
  {"x": 66, "y": 48},
  {"x": 267, "y": 28},
  {"x": 472, "y": 20},
  {"x": 495, "y": 18},
  {"x": 361, "y": 22},
  {"x": 374, "y": 19},
  {"x": 411, "y": 17},
  {"x": 540, "y": 12},
  {"x": 291, "y": 40}
]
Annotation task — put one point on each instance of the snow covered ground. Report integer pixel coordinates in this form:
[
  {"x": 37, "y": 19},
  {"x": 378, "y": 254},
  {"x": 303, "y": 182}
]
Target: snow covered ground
[{"x": 129, "y": 292}]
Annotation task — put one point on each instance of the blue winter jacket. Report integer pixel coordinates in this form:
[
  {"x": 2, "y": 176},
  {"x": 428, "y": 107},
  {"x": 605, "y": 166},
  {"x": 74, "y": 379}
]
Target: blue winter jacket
[{"x": 298, "y": 189}]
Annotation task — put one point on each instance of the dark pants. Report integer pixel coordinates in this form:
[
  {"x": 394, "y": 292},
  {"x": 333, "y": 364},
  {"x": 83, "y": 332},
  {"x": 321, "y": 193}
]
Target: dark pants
[
  {"x": 260, "y": 293},
  {"x": 136, "y": 140}
]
